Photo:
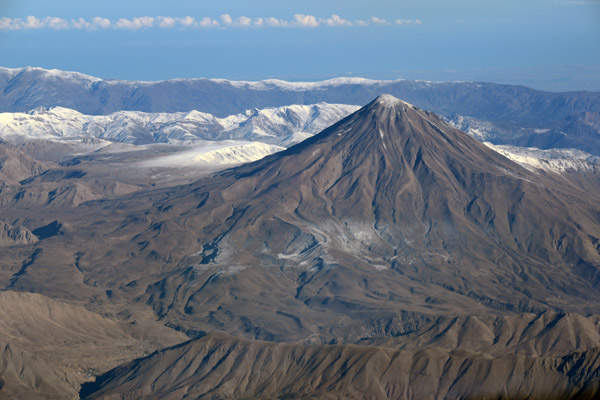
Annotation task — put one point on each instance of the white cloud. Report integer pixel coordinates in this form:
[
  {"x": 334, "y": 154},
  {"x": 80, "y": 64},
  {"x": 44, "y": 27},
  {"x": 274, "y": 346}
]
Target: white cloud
[
  {"x": 124, "y": 24},
  {"x": 7, "y": 24},
  {"x": 32, "y": 22},
  {"x": 56, "y": 23},
  {"x": 188, "y": 22},
  {"x": 240, "y": 22},
  {"x": 336, "y": 20},
  {"x": 378, "y": 21},
  {"x": 226, "y": 19},
  {"x": 135, "y": 23},
  {"x": 166, "y": 22},
  {"x": 305, "y": 21},
  {"x": 99, "y": 22},
  {"x": 208, "y": 23},
  {"x": 408, "y": 22},
  {"x": 276, "y": 23},
  {"x": 146, "y": 22},
  {"x": 80, "y": 23},
  {"x": 244, "y": 21}
]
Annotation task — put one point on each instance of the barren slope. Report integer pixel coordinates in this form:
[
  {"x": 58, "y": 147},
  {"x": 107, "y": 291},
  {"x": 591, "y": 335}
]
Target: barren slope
[
  {"x": 25, "y": 376},
  {"x": 65, "y": 345}
]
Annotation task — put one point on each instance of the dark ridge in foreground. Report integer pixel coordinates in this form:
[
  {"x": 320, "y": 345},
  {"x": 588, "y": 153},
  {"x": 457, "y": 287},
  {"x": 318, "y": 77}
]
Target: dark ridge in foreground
[{"x": 219, "y": 366}]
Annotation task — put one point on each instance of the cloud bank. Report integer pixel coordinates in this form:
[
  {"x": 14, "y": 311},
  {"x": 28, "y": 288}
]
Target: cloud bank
[{"x": 225, "y": 21}]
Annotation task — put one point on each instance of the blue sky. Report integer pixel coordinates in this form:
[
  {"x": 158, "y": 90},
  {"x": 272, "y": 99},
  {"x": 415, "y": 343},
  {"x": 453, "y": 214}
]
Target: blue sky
[{"x": 551, "y": 44}]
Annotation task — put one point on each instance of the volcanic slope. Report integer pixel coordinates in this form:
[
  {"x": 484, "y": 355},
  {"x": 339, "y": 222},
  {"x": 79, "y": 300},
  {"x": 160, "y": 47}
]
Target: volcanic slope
[{"x": 388, "y": 215}]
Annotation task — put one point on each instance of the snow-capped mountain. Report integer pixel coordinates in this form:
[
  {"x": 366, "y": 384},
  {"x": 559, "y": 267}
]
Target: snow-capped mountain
[
  {"x": 555, "y": 160},
  {"x": 270, "y": 125}
]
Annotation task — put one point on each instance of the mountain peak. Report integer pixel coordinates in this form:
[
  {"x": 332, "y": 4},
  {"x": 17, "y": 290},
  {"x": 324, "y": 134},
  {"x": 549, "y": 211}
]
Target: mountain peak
[
  {"x": 394, "y": 135},
  {"x": 388, "y": 100}
]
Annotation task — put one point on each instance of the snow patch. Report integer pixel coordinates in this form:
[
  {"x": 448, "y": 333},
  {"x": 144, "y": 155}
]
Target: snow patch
[
  {"x": 554, "y": 160},
  {"x": 211, "y": 154},
  {"x": 381, "y": 135},
  {"x": 238, "y": 154}
]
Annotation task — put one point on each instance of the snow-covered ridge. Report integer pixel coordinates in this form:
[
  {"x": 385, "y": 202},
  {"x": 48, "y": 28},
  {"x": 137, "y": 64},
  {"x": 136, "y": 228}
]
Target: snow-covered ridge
[
  {"x": 554, "y": 160},
  {"x": 264, "y": 84},
  {"x": 256, "y": 85},
  {"x": 54, "y": 73},
  {"x": 270, "y": 125},
  {"x": 270, "y": 83}
]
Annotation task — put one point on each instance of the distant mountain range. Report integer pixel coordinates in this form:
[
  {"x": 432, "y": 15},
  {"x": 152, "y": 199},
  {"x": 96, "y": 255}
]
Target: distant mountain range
[
  {"x": 27, "y": 88},
  {"x": 513, "y": 115}
]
